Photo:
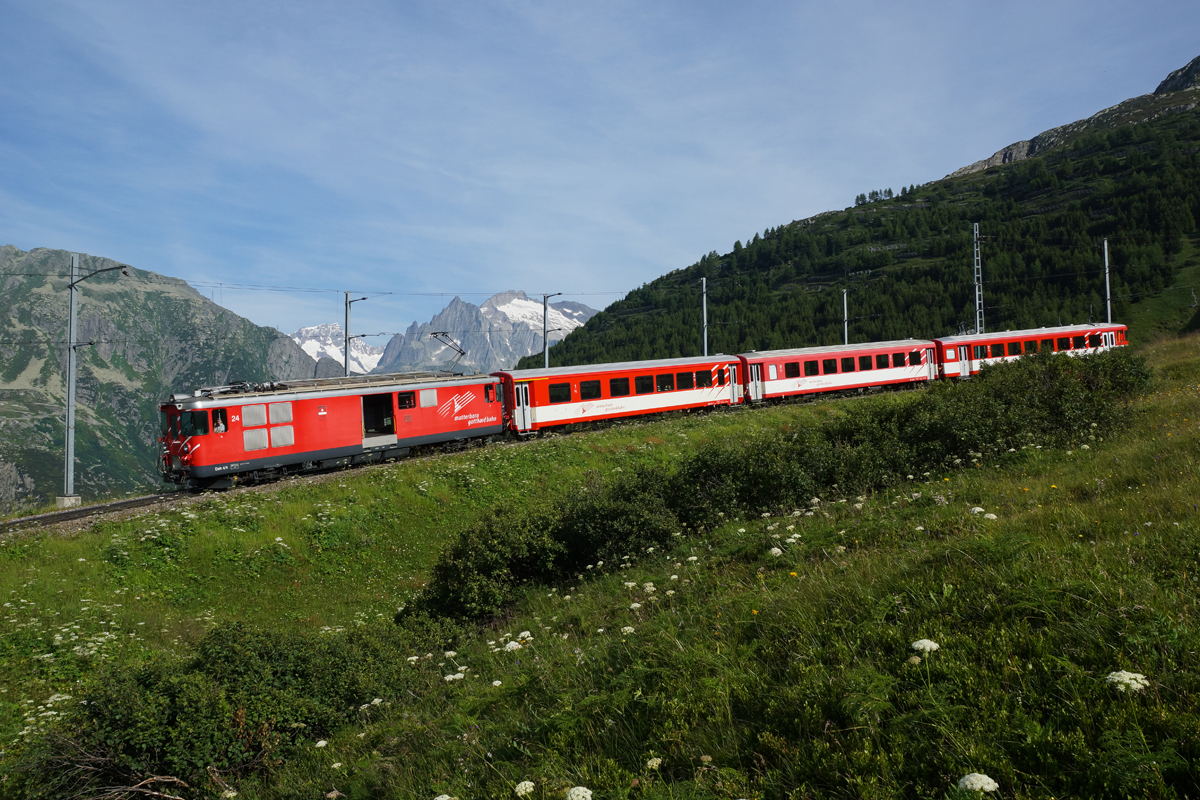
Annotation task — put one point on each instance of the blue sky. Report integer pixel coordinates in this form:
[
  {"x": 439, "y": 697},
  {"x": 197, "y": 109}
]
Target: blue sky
[{"x": 428, "y": 147}]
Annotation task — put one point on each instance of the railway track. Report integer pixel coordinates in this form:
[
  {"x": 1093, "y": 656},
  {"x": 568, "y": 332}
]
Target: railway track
[{"x": 42, "y": 520}]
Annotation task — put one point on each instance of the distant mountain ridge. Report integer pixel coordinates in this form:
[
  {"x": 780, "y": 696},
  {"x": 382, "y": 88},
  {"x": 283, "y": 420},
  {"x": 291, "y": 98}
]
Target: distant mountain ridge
[
  {"x": 495, "y": 334},
  {"x": 329, "y": 340}
]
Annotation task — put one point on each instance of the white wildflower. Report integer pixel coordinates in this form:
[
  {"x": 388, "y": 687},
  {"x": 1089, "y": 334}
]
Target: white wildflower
[
  {"x": 675, "y": 577},
  {"x": 579, "y": 793},
  {"x": 693, "y": 558},
  {"x": 335, "y": 765},
  {"x": 1128, "y": 681},
  {"x": 976, "y": 510},
  {"x": 630, "y": 584},
  {"x": 977, "y": 782},
  {"x": 512, "y": 646},
  {"x": 322, "y": 743},
  {"x": 626, "y": 630},
  {"x": 925, "y": 646},
  {"x": 413, "y": 658},
  {"x": 989, "y": 516},
  {"x": 635, "y": 606},
  {"x": 775, "y": 551},
  {"x": 523, "y": 788},
  {"x": 450, "y": 653},
  {"x": 497, "y": 683},
  {"x": 654, "y": 763}
]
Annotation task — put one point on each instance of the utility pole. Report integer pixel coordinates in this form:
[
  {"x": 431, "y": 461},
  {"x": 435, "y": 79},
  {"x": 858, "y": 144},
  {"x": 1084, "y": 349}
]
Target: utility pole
[
  {"x": 545, "y": 329},
  {"x": 704, "y": 311},
  {"x": 978, "y": 285},
  {"x": 845, "y": 319},
  {"x": 69, "y": 499},
  {"x": 346, "y": 352},
  {"x": 1107, "y": 291}
]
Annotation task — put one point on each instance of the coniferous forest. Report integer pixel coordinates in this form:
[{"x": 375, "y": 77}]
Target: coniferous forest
[{"x": 906, "y": 257}]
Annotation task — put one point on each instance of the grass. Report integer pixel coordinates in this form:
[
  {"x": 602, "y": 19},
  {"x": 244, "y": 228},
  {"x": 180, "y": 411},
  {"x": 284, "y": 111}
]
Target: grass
[{"x": 749, "y": 674}]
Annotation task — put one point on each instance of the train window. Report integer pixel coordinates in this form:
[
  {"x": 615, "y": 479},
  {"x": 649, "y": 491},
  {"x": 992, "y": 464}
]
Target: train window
[
  {"x": 684, "y": 380},
  {"x": 1093, "y": 340},
  {"x": 703, "y": 379},
  {"x": 429, "y": 398},
  {"x": 644, "y": 384},
  {"x": 280, "y": 412},
  {"x": 1047, "y": 346},
  {"x": 791, "y": 369},
  {"x": 164, "y": 423},
  {"x": 810, "y": 368},
  {"x": 560, "y": 392},
  {"x": 720, "y": 376},
  {"x": 253, "y": 416},
  {"x": 864, "y": 362},
  {"x": 406, "y": 399},
  {"x": 255, "y": 439},
  {"x": 881, "y": 361},
  {"x": 829, "y": 366},
  {"x": 998, "y": 350},
  {"x": 174, "y": 427},
  {"x": 1031, "y": 346},
  {"x": 980, "y": 351},
  {"x": 282, "y": 436},
  {"x": 1014, "y": 348},
  {"x": 914, "y": 358},
  {"x": 1079, "y": 343},
  {"x": 195, "y": 423},
  {"x": 589, "y": 390},
  {"x": 664, "y": 383},
  {"x": 1064, "y": 343},
  {"x": 220, "y": 420},
  {"x": 618, "y": 387},
  {"x": 488, "y": 395},
  {"x": 848, "y": 364},
  {"x": 897, "y": 359},
  {"x": 772, "y": 373}
]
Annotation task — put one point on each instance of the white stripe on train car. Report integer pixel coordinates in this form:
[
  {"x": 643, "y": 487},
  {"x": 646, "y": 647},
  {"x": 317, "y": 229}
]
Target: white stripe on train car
[{"x": 636, "y": 404}]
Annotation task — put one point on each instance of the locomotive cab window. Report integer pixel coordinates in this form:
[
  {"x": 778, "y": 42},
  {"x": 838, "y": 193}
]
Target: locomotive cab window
[
  {"x": 488, "y": 395},
  {"x": 589, "y": 390},
  {"x": 810, "y": 368},
  {"x": 864, "y": 362},
  {"x": 1014, "y": 348},
  {"x": 618, "y": 387},
  {"x": 664, "y": 383},
  {"x": 406, "y": 399},
  {"x": 791, "y": 369},
  {"x": 560, "y": 392},
  {"x": 881, "y": 361},
  {"x": 195, "y": 423},
  {"x": 644, "y": 384},
  {"x": 703, "y": 379},
  {"x": 914, "y": 358},
  {"x": 220, "y": 420},
  {"x": 829, "y": 366},
  {"x": 164, "y": 423},
  {"x": 684, "y": 380}
]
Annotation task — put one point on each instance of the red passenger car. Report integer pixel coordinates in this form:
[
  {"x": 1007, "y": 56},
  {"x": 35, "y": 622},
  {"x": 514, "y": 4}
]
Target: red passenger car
[
  {"x": 837, "y": 368},
  {"x": 218, "y": 435},
  {"x": 962, "y": 356},
  {"x": 542, "y": 398}
]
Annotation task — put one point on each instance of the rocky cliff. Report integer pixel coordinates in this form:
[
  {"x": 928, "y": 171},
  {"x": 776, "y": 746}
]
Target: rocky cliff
[{"x": 149, "y": 335}]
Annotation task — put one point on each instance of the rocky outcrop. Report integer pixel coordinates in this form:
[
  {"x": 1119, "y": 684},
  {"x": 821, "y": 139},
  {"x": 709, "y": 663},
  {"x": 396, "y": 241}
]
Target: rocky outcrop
[{"x": 1183, "y": 78}]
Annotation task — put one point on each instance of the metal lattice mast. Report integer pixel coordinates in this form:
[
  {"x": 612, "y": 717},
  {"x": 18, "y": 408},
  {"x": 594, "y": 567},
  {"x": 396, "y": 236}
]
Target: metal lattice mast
[
  {"x": 1107, "y": 291},
  {"x": 704, "y": 312},
  {"x": 978, "y": 285}
]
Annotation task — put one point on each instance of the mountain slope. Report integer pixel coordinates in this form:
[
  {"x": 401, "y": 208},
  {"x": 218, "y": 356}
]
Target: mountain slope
[
  {"x": 494, "y": 335},
  {"x": 1130, "y": 174},
  {"x": 153, "y": 335}
]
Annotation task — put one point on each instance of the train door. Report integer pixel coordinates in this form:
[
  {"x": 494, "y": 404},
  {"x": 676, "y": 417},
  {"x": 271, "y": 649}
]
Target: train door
[
  {"x": 756, "y": 383},
  {"x": 522, "y": 410},
  {"x": 379, "y": 420},
  {"x": 735, "y": 388},
  {"x": 930, "y": 365},
  {"x": 964, "y": 361}
]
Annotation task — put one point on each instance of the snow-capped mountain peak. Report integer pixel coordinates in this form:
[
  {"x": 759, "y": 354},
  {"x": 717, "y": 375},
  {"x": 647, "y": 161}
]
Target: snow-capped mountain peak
[{"x": 328, "y": 340}]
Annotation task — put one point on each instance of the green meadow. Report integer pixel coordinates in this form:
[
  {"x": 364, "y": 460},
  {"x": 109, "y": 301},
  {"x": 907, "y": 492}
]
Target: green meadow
[{"x": 648, "y": 611}]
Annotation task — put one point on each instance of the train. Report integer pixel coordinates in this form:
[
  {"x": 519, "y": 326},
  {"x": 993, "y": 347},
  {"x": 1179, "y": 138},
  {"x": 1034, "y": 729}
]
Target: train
[{"x": 215, "y": 437}]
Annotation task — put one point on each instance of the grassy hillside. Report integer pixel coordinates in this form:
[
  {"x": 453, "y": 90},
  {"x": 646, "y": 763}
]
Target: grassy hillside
[
  {"x": 259, "y": 623},
  {"x": 1129, "y": 174}
]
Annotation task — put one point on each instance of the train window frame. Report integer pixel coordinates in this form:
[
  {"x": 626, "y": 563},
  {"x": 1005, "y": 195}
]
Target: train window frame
[
  {"x": 1094, "y": 340},
  {"x": 772, "y": 372},
  {"x": 1031, "y": 346},
  {"x": 882, "y": 361},
  {"x": 1064, "y": 343},
  {"x": 720, "y": 376},
  {"x": 829, "y": 366},
  {"x": 997, "y": 349},
  {"x": 188, "y": 423},
  {"x": 812, "y": 368},
  {"x": 1079, "y": 342},
  {"x": 618, "y": 387},
  {"x": 1046, "y": 346},
  {"x": 914, "y": 358},
  {"x": 558, "y": 393},
  {"x": 682, "y": 378},
  {"x": 979, "y": 351},
  {"x": 406, "y": 399},
  {"x": 1014, "y": 348},
  {"x": 220, "y": 420},
  {"x": 865, "y": 363},
  {"x": 589, "y": 390},
  {"x": 704, "y": 379},
  {"x": 488, "y": 394},
  {"x": 664, "y": 382},
  {"x": 643, "y": 384},
  {"x": 847, "y": 363},
  {"x": 899, "y": 359},
  {"x": 791, "y": 369}
]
